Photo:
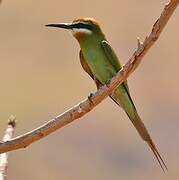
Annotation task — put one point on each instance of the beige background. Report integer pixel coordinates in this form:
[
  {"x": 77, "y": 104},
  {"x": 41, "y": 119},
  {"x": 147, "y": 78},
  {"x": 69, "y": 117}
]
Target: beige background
[{"x": 40, "y": 77}]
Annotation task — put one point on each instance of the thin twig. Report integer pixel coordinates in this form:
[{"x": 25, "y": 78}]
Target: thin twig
[
  {"x": 4, "y": 156},
  {"x": 94, "y": 99}
]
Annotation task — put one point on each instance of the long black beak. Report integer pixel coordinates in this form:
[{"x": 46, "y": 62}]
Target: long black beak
[{"x": 61, "y": 25}]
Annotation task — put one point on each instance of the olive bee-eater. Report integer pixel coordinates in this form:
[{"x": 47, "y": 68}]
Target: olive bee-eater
[{"x": 99, "y": 60}]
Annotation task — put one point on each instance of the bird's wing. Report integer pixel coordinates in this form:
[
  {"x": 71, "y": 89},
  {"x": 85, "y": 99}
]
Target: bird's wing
[
  {"x": 110, "y": 54},
  {"x": 88, "y": 70},
  {"x": 113, "y": 59}
]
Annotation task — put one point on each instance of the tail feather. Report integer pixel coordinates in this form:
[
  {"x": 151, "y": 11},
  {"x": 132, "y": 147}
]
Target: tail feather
[
  {"x": 157, "y": 155},
  {"x": 142, "y": 130},
  {"x": 125, "y": 101}
]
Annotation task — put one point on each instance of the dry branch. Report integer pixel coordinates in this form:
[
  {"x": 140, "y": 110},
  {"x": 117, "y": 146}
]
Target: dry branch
[
  {"x": 94, "y": 99},
  {"x": 4, "y": 156}
]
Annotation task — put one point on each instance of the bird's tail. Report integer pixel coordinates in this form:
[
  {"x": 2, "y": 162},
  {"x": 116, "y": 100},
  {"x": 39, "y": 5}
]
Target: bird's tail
[{"x": 142, "y": 130}]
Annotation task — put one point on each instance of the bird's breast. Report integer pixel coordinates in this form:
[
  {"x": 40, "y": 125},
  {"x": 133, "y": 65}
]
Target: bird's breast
[{"x": 99, "y": 64}]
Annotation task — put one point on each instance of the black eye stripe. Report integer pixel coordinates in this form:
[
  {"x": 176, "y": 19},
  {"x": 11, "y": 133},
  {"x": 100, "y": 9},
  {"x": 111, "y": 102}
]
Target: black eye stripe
[{"x": 82, "y": 26}]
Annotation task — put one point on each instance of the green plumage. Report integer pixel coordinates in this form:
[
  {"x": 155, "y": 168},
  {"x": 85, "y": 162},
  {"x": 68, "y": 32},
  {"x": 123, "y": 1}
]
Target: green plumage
[
  {"x": 102, "y": 72},
  {"x": 99, "y": 60}
]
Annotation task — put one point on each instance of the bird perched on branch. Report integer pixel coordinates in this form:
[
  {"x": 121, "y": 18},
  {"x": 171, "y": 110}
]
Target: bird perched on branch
[{"x": 99, "y": 60}]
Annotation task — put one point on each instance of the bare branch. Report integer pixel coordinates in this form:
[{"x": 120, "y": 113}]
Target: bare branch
[
  {"x": 4, "y": 156},
  {"x": 94, "y": 99}
]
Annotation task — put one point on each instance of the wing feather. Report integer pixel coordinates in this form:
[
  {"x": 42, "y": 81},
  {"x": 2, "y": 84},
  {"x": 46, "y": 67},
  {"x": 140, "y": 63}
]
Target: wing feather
[{"x": 110, "y": 54}]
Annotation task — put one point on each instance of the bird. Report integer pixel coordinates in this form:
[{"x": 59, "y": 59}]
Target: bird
[{"x": 101, "y": 63}]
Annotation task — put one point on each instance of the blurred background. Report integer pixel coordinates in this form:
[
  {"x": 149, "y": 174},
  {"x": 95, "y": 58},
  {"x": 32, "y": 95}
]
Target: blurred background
[{"x": 41, "y": 76}]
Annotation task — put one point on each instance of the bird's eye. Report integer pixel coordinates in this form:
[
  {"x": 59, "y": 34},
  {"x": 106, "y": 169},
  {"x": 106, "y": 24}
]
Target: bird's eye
[
  {"x": 85, "y": 26},
  {"x": 82, "y": 26}
]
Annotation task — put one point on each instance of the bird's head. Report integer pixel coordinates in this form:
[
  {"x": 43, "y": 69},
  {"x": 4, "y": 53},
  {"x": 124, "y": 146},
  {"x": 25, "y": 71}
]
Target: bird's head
[{"x": 81, "y": 28}]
